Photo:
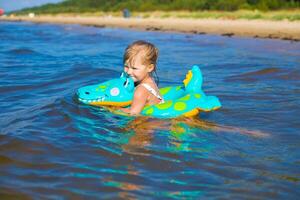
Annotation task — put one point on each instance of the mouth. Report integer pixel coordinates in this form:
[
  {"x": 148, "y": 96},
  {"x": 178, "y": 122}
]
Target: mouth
[{"x": 101, "y": 99}]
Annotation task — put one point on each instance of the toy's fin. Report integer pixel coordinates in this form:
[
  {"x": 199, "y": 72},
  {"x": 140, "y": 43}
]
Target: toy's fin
[{"x": 193, "y": 80}]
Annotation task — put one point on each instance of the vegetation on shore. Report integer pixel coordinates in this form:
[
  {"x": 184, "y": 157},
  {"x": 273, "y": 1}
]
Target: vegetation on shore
[
  {"x": 243, "y": 9},
  {"x": 291, "y": 15}
]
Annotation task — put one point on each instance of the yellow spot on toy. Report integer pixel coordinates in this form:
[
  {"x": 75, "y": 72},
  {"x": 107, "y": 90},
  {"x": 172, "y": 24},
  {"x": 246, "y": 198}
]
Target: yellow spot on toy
[
  {"x": 165, "y": 90},
  {"x": 179, "y": 106},
  {"x": 185, "y": 98},
  {"x": 101, "y": 87},
  {"x": 198, "y": 96},
  {"x": 178, "y": 88},
  {"x": 149, "y": 111},
  {"x": 164, "y": 106}
]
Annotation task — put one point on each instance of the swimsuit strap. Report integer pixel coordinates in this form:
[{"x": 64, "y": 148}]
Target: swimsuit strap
[{"x": 152, "y": 91}]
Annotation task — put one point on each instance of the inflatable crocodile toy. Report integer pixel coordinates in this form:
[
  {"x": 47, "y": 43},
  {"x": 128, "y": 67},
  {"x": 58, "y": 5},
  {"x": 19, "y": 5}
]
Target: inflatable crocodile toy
[{"x": 185, "y": 100}]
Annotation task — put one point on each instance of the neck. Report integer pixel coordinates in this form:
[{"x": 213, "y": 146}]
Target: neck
[{"x": 147, "y": 79}]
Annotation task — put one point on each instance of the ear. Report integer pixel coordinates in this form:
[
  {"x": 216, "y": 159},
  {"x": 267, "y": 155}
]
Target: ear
[
  {"x": 124, "y": 76},
  {"x": 150, "y": 68}
]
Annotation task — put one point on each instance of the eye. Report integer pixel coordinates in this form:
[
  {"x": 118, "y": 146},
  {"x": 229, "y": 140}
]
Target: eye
[{"x": 114, "y": 91}]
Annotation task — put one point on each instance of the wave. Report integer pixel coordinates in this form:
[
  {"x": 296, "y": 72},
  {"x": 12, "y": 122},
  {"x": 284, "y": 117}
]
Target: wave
[
  {"x": 22, "y": 51},
  {"x": 266, "y": 74}
]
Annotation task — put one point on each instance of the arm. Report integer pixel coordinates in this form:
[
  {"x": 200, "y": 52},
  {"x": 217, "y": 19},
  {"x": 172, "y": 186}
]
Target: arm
[{"x": 138, "y": 102}]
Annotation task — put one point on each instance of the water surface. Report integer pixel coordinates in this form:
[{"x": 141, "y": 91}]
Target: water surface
[{"x": 52, "y": 147}]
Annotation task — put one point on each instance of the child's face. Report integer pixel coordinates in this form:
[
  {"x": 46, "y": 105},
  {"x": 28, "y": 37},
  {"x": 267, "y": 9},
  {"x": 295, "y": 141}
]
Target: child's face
[{"x": 137, "y": 70}]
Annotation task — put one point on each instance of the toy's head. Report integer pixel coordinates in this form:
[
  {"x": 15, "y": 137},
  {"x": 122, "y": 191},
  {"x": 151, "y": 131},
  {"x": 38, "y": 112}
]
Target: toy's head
[{"x": 115, "y": 92}]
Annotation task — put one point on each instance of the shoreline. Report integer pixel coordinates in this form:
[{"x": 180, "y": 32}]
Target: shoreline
[{"x": 284, "y": 30}]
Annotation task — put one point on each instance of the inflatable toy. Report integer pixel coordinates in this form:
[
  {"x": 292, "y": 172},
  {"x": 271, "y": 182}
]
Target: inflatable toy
[{"x": 185, "y": 100}]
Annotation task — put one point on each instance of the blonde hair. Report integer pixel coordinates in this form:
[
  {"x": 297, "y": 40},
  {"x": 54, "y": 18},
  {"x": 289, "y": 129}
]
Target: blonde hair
[{"x": 148, "y": 50}]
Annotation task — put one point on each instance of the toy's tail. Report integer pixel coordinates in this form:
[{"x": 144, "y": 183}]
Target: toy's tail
[
  {"x": 193, "y": 80},
  {"x": 193, "y": 84}
]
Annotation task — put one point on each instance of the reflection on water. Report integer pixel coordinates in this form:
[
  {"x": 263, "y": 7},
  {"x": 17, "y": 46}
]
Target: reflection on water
[
  {"x": 53, "y": 147},
  {"x": 179, "y": 132}
]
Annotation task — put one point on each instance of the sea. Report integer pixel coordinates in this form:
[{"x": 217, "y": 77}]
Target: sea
[{"x": 54, "y": 147}]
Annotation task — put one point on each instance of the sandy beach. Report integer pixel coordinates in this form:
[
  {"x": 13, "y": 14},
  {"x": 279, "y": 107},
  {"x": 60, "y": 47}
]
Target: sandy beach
[{"x": 285, "y": 30}]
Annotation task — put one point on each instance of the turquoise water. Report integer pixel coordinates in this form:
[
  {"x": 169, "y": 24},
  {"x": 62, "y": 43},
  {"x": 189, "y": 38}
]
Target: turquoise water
[{"x": 52, "y": 147}]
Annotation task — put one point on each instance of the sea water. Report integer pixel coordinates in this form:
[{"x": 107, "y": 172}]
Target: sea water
[{"x": 53, "y": 147}]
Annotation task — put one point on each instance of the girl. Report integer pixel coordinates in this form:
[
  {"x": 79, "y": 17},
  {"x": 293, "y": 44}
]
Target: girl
[{"x": 139, "y": 61}]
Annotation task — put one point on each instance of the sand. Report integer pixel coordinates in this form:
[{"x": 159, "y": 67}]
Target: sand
[{"x": 285, "y": 30}]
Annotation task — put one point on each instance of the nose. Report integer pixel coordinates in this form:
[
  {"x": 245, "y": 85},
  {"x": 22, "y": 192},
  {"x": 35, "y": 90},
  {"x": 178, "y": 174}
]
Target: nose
[{"x": 129, "y": 71}]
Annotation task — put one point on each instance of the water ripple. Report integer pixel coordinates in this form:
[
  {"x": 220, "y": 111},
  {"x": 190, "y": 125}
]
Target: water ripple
[
  {"x": 267, "y": 74},
  {"x": 53, "y": 147},
  {"x": 22, "y": 51}
]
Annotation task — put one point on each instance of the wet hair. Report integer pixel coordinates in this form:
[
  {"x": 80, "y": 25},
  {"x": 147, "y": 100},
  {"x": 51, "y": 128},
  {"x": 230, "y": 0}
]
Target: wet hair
[{"x": 149, "y": 55}]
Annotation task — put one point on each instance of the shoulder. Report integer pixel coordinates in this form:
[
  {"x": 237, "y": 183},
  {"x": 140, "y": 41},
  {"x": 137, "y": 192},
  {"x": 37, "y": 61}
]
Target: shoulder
[{"x": 141, "y": 91}]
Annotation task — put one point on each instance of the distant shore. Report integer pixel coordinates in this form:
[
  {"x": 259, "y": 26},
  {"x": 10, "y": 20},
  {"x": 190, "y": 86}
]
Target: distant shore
[{"x": 285, "y": 30}]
